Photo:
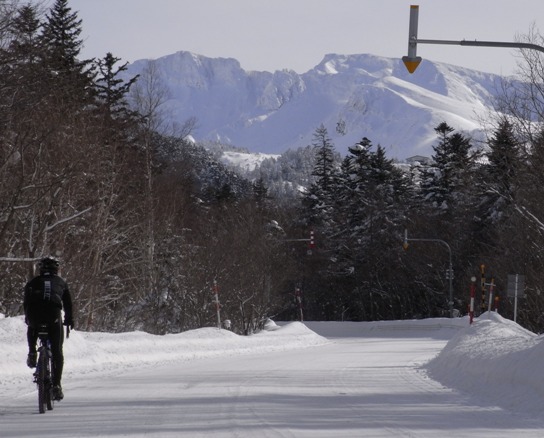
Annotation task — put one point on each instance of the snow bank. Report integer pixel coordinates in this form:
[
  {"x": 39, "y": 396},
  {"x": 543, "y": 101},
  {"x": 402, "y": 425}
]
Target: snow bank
[
  {"x": 495, "y": 360},
  {"x": 105, "y": 352}
]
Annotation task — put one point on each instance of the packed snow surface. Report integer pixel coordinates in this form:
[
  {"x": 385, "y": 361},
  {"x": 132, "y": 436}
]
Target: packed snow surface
[{"x": 420, "y": 378}]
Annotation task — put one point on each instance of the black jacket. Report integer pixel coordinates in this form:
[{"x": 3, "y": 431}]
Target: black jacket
[{"x": 45, "y": 296}]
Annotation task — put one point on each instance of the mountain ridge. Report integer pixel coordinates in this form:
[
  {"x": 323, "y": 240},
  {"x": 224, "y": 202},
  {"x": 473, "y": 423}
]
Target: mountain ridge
[{"x": 353, "y": 96}]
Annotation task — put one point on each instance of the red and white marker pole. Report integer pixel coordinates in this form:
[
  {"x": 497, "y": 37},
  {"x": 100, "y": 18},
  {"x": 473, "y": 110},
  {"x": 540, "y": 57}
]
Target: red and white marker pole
[{"x": 311, "y": 242}]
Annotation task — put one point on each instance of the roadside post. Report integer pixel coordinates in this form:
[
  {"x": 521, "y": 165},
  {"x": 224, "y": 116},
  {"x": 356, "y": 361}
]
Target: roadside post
[
  {"x": 472, "y": 294},
  {"x": 516, "y": 288},
  {"x": 298, "y": 298},
  {"x": 217, "y": 303},
  {"x": 491, "y": 290}
]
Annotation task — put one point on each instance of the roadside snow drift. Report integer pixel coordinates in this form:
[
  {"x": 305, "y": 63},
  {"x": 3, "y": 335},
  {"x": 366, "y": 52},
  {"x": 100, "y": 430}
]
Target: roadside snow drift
[
  {"x": 96, "y": 352},
  {"x": 495, "y": 359}
]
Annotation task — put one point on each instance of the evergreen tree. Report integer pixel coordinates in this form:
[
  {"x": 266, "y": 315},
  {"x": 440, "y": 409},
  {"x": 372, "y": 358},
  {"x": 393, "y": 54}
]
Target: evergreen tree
[
  {"x": 353, "y": 198},
  {"x": 319, "y": 200},
  {"x": 20, "y": 74},
  {"x": 498, "y": 177},
  {"x": 61, "y": 36},
  {"x": 446, "y": 209},
  {"x": 371, "y": 207},
  {"x": 495, "y": 220},
  {"x": 72, "y": 77},
  {"x": 391, "y": 188},
  {"x": 25, "y": 36},
  {"x": 260, "y": 192},
  {"x": 324, "y": 168},
  {"x": 112, "y": 90},
  {"x": 445, "y": 182},
  {"x": 373, "y": 190}
]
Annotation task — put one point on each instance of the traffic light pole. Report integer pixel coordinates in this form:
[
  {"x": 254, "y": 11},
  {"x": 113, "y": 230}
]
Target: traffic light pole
[
  {"x": 412, "y": 60},
  {"x": 450, "y": 269}
]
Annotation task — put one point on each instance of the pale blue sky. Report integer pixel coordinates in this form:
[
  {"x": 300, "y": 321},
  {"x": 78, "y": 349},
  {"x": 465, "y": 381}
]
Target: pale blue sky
[{"x": 296, "y": 34}]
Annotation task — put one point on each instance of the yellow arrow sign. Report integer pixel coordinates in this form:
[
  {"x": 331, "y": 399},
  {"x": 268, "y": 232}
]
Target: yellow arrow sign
[{"x": 411, "y": 63}]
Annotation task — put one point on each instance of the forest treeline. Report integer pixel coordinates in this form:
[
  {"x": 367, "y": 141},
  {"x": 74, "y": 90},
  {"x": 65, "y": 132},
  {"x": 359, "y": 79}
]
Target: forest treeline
[{"x": 149, "y": 226}]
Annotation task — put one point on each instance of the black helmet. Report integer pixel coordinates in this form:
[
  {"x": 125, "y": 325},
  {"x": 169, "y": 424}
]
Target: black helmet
[{"x": 49, "y": 264}]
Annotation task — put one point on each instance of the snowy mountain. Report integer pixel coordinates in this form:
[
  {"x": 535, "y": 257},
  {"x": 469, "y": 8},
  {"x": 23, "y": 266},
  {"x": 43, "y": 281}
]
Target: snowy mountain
[{"x": 354, "y": 96}]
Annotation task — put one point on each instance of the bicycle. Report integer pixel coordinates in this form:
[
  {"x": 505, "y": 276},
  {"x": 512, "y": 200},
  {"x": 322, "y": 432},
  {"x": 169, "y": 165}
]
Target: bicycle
[{"x": 43, "y": 376}]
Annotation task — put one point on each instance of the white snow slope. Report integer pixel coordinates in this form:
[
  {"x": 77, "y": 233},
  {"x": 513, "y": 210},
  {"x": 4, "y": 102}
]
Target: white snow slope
[
  {"x": 425, "y": 378},
  {"x": 353, "y": 96}
]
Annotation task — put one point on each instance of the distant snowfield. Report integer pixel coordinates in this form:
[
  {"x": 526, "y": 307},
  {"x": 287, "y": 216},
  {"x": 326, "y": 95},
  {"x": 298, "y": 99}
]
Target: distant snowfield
[
  {"x": 419, "y": 378},
  {"x": 245, "y": 160}
]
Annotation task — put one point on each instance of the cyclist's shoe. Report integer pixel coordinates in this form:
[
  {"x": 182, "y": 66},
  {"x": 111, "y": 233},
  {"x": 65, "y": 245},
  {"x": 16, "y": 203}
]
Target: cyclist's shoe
[
  {"x": 31, "y": 360},
  {"x": 57, "y": 393}
]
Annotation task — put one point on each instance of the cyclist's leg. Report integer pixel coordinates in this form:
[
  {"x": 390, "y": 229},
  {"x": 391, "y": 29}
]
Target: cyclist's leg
[
  {"x": 32, "y": 338},
  {"x": 56, "y": 336}
]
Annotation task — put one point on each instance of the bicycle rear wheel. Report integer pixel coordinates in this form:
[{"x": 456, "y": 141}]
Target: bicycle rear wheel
[
  {"x": 49, "y": 385},
  {"x": 45, "y": 383},
  {"x": 40, "y": 378}
]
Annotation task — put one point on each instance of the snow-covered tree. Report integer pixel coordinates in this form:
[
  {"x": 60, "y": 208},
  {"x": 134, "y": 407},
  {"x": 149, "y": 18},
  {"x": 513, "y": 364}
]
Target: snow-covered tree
[
  {"x": 445, "y": 182},
  {"x": 318, "y": 202},
  {"x": 499, "y": 175}
]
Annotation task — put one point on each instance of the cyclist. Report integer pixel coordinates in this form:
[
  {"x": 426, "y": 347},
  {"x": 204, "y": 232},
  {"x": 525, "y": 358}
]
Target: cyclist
[{"x": 44, "y": 298}]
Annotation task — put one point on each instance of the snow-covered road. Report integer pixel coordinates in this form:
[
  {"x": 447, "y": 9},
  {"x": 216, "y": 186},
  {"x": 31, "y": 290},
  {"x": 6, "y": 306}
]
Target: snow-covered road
[{"x": 361, "y": 384}]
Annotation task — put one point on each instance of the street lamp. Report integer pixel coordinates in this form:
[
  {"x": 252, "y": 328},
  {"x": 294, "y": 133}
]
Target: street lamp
[{"x": 449, "y": 274}]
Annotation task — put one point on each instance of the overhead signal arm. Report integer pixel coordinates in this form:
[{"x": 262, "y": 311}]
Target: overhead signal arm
[{"x": 412, "y": 60}]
